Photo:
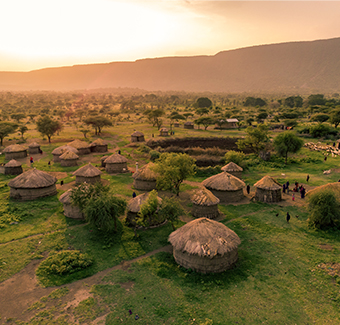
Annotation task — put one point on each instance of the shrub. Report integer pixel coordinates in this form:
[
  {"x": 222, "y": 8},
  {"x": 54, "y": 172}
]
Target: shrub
[
  {"x": 143, "y": 148},
  {"x": 154, "y": 155},
  {"x": 207, "y": 171},
  {"x": 321, "y": 130},
  {"x": 235, "y": 157}
]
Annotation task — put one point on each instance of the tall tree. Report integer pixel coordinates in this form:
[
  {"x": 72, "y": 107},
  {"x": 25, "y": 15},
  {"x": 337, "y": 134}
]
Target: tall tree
[
  {"x": 47, "y": 126},
  {"x": 6, "y": 128},
  {"x": 98, "y": 123},
  {"x": 203, "y": 102},
  {"x": 205, "y": 121},
  {"x": 256, "y": 138},
  {"x": 287, "y": 142},
  {"x": 335, "y": 118}
]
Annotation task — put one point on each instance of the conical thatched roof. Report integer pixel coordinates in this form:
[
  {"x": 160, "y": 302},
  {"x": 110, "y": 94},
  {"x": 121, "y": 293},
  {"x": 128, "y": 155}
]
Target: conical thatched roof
[
  {"x": 78, "y": 144},
  {"x": 68, "y": 155},
  {"x": 13, "y": 163},
  {"x": 135, "y": 203},
  {"x": 116, "y": 158},
  {"x": 268, "y": 183},
  {"x": 232, "y": 167},
  {"x": 87, "y": 171},
  {"x": 33, "y": 178},
  {"x": 163, "y": 130},
  {"x": 15, "y": 148},
  {"x": 204, "y": 197},
  {"x": 62, "y": 149},
  {"x": 137, "y": 134},
  {"x": 334, "y": 187},
  {"x": 204, "y": 237},
  {"x": 145, "y": 173},
  {"x": 65, "y": 198},
  {"x": 223, "y": 182},
  {"x": 34, "y": 145},
  {"x": 98, "y": 142}
]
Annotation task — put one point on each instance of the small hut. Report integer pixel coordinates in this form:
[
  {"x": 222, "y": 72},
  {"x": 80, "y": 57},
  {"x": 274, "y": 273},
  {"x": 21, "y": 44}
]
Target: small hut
[
  {"x": 233, "y": 169},
  {"x": 70, "y": 210},
  {"x": 268, "y": 190},
  {"x": 88, "y": 174},
  {"x": 137, "y": 137},
  {"x": 98, "y": 145},
  {"x": 116, "y": 163},
  {"x": 68, "y": 159},
  {"x": 15, "y": 151},
  {"x": 32, "y": 185},
  {"x": 228, "y": 188},
  {"x": 188, "y": 125},
  {"x": 82, "y": 147},
  {"x": 204, "y": 204},
  {"x": 13, "y": 167},
  {"x": 176, "y": 125},
  {"x": 102, "y": 161},
  {"x": 164, "y": 132},
  {"x": 133, "y": 208},
  {"x": 205, "y": 245},
  {"x": 33, "y": 148},
  {"x": 145, "y": 179},
  {"x": 57, "y": 152}
]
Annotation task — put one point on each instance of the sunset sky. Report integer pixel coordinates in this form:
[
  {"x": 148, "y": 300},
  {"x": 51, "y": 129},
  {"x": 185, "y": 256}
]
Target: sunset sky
[{"x": 49, "y": 33}]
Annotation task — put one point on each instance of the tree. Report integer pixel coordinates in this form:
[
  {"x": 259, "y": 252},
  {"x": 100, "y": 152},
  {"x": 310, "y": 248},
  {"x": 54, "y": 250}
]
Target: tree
[
  {"x": 287, "y": 142},
  {"x": 148, "y": 212},
  {"x": 18, "y": 116},
  {"x": 175, "y": 116},
  {"x": 261, "y": 116},
  {"x": 98, "y": 123},
  {"x": 294, "y": 101},
  {"x": 317, "y": 99},
  {"x": 6, "y": 128},
  {"x": 22, "y": 130},
  {"x": 186, "y": 115},
  {"x": 251, "y": 101},
  {"x": 256, "y": 138},
  {"x": 335, "y": 117},
  {"x": 205, "y": 121},
  {"x": 203, "y": 102},
  {"x": 202, "y": 111},
  {"x": 170, "y": 210},
  {"x": 154, "y": 116},
  {"x": 320, "y": 118},
  {"x": 47, "y": 126},
  {"x": 84, "y": 131},
  {"x": 173, "y": 169}
]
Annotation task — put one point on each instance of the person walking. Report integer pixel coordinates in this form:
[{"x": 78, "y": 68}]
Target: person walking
[
  {"x": 248, "y": 189},
  {"x": 307, "y": 179}
]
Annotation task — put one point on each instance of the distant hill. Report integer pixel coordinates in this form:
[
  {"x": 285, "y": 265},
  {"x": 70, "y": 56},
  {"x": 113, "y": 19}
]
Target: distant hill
[{"x": 296, "y": 66}]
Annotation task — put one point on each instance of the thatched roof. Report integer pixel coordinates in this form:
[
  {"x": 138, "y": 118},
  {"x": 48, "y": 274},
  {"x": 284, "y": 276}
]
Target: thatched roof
[
  {"x": 145, "y": 173},
  {"x": 135, "y": 203},
  {"x": 87, "y": 171},
  {"x": 78, "y": 144},
  {"x": 116, "y": 158},
  {"x": 204, "y": 197},
  {"x": 268, "y": 183},
  {"x": 98, "y": 142},
  {"x": 204, "y": 237},
  {"x": 65, "y": 198},
  {"x": 188, "y": 123},
  {"x": 163, "y": 130},
  {"x": 13, "y": 163},
  {"x": 137, "y": 134},
  {"x": 33, "y": 178},
  {"x": 15, "y": 148},
  {"x": 68, "y": 155},
  {"x": 223, "y": 182},
  {"x": 334, "y": 187},
  {"x": 232, "y": 167},
  {"x": 60, "y": 150},
  {"x": 34, "y": 145}
]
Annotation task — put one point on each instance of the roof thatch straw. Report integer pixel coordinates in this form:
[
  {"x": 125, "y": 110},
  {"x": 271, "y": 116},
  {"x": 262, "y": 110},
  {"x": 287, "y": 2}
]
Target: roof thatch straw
[
  {"x": 137, "y": 134},
  {"x": 145, "y": 173},
  {"x": 204, "y": 197},
  {"x": 334, "y": 187},
  {"x": 68, "y": 155},
  {"x": 34, "y": 145},
  {"x": 224, "y": 182},
  {"x": 33, "y": 178},
  {"x": 78, "y": 144},
  {"x": 65, "y": 198},
  {"x": 87, "y": 171},
  {"x": 268, "y": 183},
  {"x": 15, "y": 148},
  {"x": 135, "y": 203},
  {"x": 232, "y": 167},
  {"x": 205, "y": 238},
  {"x": 62, "y": 149},
  {"x": 163, "y": 130},
  {"x": 98, "y": 142},
  {"x": 116, "y": 158},
  {"x": 13, "y": 163}
]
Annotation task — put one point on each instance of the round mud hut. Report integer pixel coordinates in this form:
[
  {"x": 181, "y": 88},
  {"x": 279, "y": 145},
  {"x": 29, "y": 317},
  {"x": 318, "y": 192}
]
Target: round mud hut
[
  {"x": 88, "y": 174},
  {"x": 68, "y": 159},
  {"x": 163, "y": 132},
  {"x": 98, "y": 145},
  {"x": 34, "y": 148},
  {"x": 204, "y": 204},
  {"x": 57, "y": 152},
  {"x": 32, "y": 185},
  {"x": 188, "y": 125},
  {"x": 116, "y": 163},
  {"x": 137, "y": 137},
  {"x": 13, "y": 167},
  {"x": 233, "y": 169},
  {"x": 70, "y": 210},
  {"x": 145, "y": 179},
  {"x": 82, "y": 147},
  {"x": 133, "y": 208},
  {"x": 15, "y": 151},
  {"x": 205, "y": 245},
  {"x": 228, "y": 188},
  {"x": 267, "y": 190}
]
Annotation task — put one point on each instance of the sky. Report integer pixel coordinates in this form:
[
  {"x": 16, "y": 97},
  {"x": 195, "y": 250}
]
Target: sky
[{"x": 51, "y": 33}]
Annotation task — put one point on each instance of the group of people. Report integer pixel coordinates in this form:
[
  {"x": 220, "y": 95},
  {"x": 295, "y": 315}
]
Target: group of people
[{"x": 297, "y": 189}]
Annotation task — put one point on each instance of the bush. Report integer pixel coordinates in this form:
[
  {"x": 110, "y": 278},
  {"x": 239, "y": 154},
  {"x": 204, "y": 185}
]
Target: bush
[
  {"x": 154, "y": 155},
  {"x": 321, "y": 130},
  {"x": 143, "y": 148},
  {"x": 235, "y": 157},
  {"x": 207, "y": 171}
]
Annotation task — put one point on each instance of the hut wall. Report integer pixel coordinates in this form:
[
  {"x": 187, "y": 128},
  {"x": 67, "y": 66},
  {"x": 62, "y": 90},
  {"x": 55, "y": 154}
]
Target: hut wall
[
  {"x": 34, "y": 151},
  {"x": 101, "y": 148},
  {"x": 267, "y": 196},
  {"x": 116, "y": 168},
  {"x": 164, "y": 134},
  {"x": 200, "y": 211},
  {"x": 71, "y": 211},
  {"x": 227, "y": 197},
  {"x": 130, "y": 218},
  {"x": 89, "y": 180},
  {"x": 32, "y": 193},
  {"x": 56, "y": 158},
  {"x": 189, "y": 126},
  {"x": 204, "y": 264},
  {"x": 68, "y": 162},
  {"x": 137, "y": 139},
  {"x": 15, "y": 155},
  {"x": 93, "y": 148},
  {"x": 13, "y": 170},
  {"x": 84, "y": 151},
  {"x": 144, "y": 185}
]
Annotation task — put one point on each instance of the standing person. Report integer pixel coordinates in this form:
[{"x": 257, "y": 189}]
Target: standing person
[
  {"x": 303, "y": 192},
  {"x": 31, "y": 160},
  {"x": 293, "y": 197},
  {"x": 287, "y": 187},
  {"x": 134, "y": 194},
  {"x": 248, "y": 189},
  {"x": 288, "y": 217},
  {"x": 307, "y": 179}
]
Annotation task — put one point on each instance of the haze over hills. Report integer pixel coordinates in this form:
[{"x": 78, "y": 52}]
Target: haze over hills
[{"x": 296, "y": 66}]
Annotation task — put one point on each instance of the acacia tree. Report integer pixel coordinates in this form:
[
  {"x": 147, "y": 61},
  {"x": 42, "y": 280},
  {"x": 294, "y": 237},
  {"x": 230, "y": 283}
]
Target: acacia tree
[
  {"x": 205, "y": 121},
  {"x": 287, "y": 142},
  {"x": 98, "y": 123},
  {"x": 335, "y": 118},
  {"x": 256, "y": 139},
  {"x": 154, "y": 116},
  {"x": 22, "y": 130},
  {"x": 47, "y": 126},
  {"x": 6, "y": 128}
]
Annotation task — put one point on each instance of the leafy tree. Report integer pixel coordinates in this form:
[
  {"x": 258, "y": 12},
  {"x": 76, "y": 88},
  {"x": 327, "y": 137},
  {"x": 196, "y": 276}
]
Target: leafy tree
[
  {"x": 317, "y": 99},
  {"x": 261, "y": 116},
  {"x": 170, "y": 210},
  {"x": 22, "y": 130},
  {"x": 291, "y": 123},
  {"x": 287, "y": 142},
  {"x": 256, "y": 138},
  {"x": 202, "y": 111},
  {"x": 47, "y": 126},
  {"x": 84, "y": 131},
  {"x": 154, "y": 116},
  {"x": 320, "y": 118},
  {"x": 249, "y": 121},
  {"x": 203, "y": 102},
  {"x": 205, "y": 121},
  {"x": 98, "y": 123},
  {"x": 289, "y": 115},
  {"x": 173, "y": 169},
  {"x": 6, "y": 128},
  {"x": 251, "y": 101},
  {"x": 294, "y": 101},
  {"x": 18, "y": 116},
  {"x": 235, "y": 157},
  {"x": 148, "y": 213},
  {"x": 32, "y": 116},
  {"x": 335, "y": 117},
  {"x": 321, "y": 130},
  {"x": 186, "y": 115}
]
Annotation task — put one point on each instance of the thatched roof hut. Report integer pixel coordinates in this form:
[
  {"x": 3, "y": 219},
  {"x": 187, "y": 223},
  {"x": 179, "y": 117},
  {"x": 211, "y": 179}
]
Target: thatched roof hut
[
  {"x": 68, "y": 158},
  {"x": 163, "y": 132},
  {"x": 33, "y": 148},
  {"x": 228, "y": 188},
  {"x": 268, "y": 190},
  {"x": 32, "y": 184},
  {"x": 333, "y": 187},
  {"x": 57, "y": 152},
  {"x": 82, "y": 147},
  {"x": 204, "y": 204},
  {"x": 70, "y": 210},
  {"x": 233, "y": 169},
  {"x": 88, "y": 174},
  {"x": 116, "y": 163},
  {"x": 133, "y": 208},
  {"x": 13, "y": 167},
  {"x": 15, "y": 151},
  {"x": 145, "y": 179},
  {"x": 137, "y": 137},
  {"x": 188, "y": 125},
  {"x": 98, "y": 145},
  {"x": 205, "y": 245}
]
